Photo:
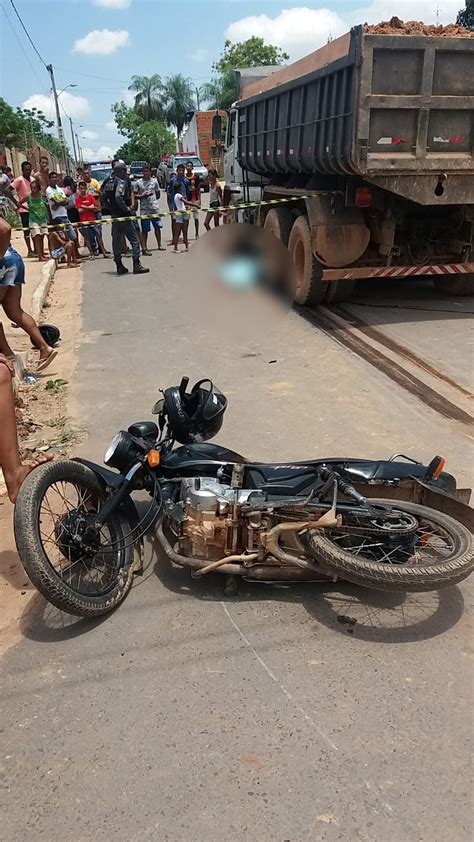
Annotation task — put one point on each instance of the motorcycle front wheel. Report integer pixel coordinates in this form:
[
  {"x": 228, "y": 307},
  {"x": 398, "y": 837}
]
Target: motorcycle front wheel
[
  {"x": 77, "y": 568},
  {"x": 420, "y": 549}
]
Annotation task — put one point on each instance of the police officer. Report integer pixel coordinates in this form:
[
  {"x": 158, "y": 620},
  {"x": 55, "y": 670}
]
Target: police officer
[{"x": 117, "y": 195}]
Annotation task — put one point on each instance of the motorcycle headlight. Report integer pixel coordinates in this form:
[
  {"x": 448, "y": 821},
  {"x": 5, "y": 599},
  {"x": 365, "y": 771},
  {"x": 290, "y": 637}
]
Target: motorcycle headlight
[{"x": 122, "y": 452}]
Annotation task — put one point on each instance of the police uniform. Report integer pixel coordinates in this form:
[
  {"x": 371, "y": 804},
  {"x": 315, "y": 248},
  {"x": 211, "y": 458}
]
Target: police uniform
[{"x": 117, "y": 194}]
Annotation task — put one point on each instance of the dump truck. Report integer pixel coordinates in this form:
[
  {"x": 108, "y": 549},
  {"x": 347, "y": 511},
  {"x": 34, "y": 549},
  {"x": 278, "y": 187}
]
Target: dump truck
[{"x": 366, "y": 149}]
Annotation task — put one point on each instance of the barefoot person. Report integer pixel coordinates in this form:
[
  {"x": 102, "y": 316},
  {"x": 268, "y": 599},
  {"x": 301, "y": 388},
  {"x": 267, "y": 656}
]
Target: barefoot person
[
  {"x": 14, "y": 471},
  {"x": 12, "y": 277}
]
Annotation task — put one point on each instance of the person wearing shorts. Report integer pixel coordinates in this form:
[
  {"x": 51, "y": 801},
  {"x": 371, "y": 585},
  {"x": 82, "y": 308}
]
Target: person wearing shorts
[
  {"x": 215, "y": 199},
  {"x": 87, "y": 205},
  {"x": 194, "y": 193},
  {"x": 147, "y": 191},
  {"x": 22, "y": 187},
  {"x": 181, "y": 218},
  {"x": 58, "y": 201},
  {"x": 12, "y": 278},
  {"x": 38, "y": 219}
]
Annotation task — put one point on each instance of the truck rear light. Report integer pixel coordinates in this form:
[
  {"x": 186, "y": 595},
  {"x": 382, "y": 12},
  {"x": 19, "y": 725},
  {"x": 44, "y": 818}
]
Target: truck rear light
[{"x": 363, "y": 197}]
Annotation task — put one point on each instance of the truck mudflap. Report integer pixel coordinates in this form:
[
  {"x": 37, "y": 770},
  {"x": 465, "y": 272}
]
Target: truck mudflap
[
  {"x": 416, "y": 491},
  {"x": 356, "y": 272}
]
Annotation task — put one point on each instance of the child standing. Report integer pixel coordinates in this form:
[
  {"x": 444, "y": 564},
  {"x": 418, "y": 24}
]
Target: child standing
[
  {"x": 88, "y": 204},
  {"x": 215, "y": 199},
  {"x": 38, "y": 219},
  {"x": 181, "y": 218}
]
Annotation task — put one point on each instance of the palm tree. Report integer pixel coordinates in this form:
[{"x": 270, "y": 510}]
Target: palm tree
[
  {"x": 179, "y": 97},
  {"x": 221, "y": 91},
  {"x": 148, "y": 90}
]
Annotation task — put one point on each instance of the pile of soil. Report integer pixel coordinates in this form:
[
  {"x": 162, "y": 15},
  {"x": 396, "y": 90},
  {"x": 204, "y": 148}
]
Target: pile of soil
[{"x": 395, "y": 26}]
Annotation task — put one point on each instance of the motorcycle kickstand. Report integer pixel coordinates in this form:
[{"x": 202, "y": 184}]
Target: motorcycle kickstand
[{"x": 231, "y": 587}]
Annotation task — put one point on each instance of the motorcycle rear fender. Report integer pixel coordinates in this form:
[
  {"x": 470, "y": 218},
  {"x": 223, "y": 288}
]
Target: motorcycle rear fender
[{"x": 109, "y": 479}]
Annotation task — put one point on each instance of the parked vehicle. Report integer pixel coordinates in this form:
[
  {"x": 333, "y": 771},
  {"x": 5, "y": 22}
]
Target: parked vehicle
[
  {"x": 375, "y": 133},
  {"x": 198, "y": 166},
  {"x": 78, "y": 532},
  {"x": 136, "y": 169}
]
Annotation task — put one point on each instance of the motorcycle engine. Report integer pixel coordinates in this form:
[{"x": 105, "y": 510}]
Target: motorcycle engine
[
  {"x": 202, "y": 520},
  {"x": 206, "y": 505}
]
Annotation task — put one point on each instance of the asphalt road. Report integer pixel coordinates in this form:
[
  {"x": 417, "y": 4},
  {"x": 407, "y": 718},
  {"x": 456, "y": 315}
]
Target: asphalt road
[{"x": 189, "y": 716}]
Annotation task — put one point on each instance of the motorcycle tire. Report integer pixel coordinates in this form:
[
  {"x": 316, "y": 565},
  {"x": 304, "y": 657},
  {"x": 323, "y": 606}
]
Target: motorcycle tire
[
  {"x": 30, "y": 541},
  {"x": 397, "y": 576}
]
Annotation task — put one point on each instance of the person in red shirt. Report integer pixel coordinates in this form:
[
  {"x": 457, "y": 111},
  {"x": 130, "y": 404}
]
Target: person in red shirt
[{"x": 88, "y": 205}]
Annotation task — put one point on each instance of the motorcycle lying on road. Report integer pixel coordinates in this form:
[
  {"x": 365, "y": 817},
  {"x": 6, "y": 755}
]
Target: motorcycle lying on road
[{"x": 79, "y": 534}]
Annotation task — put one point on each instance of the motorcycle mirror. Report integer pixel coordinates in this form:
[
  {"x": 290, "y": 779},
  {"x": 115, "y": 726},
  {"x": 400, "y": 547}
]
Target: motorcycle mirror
[{"x": 158, "y": 407}]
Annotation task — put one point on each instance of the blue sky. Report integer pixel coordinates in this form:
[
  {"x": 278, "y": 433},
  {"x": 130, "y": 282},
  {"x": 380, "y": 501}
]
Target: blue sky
[{"x": 153, "y": 36}]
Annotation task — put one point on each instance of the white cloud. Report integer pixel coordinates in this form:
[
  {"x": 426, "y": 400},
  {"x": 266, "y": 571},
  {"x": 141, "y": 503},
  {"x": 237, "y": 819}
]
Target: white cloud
[
  {"x": 111, "y": 126},
  {"x": 424, "y": 10},
  {"x": 75, "y": 106},
  {"x": 102, "y": 153},
  {"x": 302, "y": 30},
  {"x": 201, "y": 55},
  {"x": 102, "y": 42},
  {"x": 299, "y": 31},
  {"x": 113, "y": 4},
  {"x": 88, "y": 135}
]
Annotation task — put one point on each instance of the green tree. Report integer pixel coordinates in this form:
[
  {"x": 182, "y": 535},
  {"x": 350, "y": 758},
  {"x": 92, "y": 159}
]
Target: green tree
[
  {"x": 221, "y": 91},
  {"x": 466, "y": 16},
  {"x": 148, "y": 92},
  {"x": 127, "y": 119},
  {"x": 249, "y": 53},
  {"x": 25, "y": 128},
  {"x": 179, "y": 99},
  {"x": 149, "y": 141}
]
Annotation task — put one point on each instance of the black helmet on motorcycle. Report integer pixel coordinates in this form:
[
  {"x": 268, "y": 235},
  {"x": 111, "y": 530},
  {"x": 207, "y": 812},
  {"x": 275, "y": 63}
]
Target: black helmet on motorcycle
[{"x": 196, "y": 415}]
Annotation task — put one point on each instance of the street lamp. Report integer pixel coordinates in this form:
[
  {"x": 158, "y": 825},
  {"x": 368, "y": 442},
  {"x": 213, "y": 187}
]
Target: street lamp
[
  {"x": 71, "y": 85},
  {"x": 56, "y": 96}
]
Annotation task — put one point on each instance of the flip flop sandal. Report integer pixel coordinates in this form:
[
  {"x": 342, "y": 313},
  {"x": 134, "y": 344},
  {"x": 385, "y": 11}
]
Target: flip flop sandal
[{"x": 45, "y": 363}]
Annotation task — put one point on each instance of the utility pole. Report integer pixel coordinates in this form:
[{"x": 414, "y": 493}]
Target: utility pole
[
  {"x": 79, "y": 151},
  {"x": 198, "y": 99},
  {"x": 73, "y": 143},
  {"x": 62, "y": 142}
]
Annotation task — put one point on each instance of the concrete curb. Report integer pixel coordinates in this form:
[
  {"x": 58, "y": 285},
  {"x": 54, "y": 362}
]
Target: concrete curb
[{"x": 41, "y": 291}]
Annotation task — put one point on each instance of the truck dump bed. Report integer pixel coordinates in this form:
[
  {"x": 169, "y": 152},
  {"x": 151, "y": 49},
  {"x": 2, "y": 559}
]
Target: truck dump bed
[{"x": 378, "y": 105}]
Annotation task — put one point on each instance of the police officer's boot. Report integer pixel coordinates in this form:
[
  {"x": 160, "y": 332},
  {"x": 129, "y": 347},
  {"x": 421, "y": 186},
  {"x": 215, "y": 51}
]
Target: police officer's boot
[
  {"x": 138, "y": 269},
  {"x": 121, "y": 269}
]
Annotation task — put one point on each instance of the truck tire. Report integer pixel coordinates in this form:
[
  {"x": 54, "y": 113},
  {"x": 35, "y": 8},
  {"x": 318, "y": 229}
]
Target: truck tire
[
  {"x": 278, "y": 222},
  {"x": 338, "y": 291},
  {"x": 457, "y": 286},
  {"x": 310, "y": 288}
]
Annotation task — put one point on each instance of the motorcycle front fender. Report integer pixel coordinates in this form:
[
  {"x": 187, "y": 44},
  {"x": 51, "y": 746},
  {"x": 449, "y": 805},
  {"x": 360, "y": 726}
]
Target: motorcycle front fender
[{"x": 110, "y": 479}]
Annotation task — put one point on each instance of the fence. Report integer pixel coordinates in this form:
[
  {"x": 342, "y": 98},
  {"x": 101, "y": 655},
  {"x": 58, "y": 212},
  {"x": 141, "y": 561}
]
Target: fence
[{"x": 12, "y": 157}]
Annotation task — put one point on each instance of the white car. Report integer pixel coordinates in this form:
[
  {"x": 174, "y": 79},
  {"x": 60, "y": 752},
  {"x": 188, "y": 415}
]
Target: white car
[{"x": 198, "y": 168}]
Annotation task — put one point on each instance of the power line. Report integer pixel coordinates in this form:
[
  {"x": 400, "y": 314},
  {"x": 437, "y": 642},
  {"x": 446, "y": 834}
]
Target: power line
[
  {"x": 89, "y": 75},
  {"x": 33, "y": 69},
  {"x": 28, "y": 34}
]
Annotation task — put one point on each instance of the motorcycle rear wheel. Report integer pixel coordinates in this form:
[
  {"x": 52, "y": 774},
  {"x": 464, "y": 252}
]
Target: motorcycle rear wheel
[
  {"x": 53, "y": 504},
  {"x": 443, "y": 556}
]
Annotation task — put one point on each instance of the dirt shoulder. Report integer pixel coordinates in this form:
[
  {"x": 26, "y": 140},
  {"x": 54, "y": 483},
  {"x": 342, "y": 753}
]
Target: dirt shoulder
[{"x": 44, "y": 416}]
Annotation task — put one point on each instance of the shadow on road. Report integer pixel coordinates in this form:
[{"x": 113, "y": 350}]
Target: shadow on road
[{"x": 367, "y": 615}]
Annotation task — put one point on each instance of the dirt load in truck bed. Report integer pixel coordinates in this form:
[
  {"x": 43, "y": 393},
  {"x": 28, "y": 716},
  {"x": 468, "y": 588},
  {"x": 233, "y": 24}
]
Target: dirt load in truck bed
[{"x": 395, "y": 26}]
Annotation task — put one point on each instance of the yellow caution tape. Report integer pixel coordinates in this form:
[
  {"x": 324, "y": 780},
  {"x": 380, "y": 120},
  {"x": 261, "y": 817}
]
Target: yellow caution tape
[{"x": 159, "y": 214}]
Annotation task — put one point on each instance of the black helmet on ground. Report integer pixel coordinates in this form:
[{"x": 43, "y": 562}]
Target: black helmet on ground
[
  {"x": 196, "y": 415},
  {"x": 50, "y": 334}
]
